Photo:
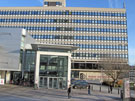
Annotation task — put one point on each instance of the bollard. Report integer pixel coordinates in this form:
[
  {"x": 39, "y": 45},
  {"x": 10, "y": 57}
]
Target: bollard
[
  {"x": 118, "y": 91},
  {"x": 108, "y": 90},
  {"x": 121, "y": 95},
  {"x": 92, "y": 87},
  {"x": 100, "y": 88}
]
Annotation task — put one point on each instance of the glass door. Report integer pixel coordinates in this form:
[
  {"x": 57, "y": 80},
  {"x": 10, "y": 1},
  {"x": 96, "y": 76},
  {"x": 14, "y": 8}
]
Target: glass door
[
  {"x": 41, "y": 82},
  {"x": 60, "y": 83},
  {"x": 45, "y": 82},
  {"x": 50, "y": 82},
  {"x": 55, "y": 83}
]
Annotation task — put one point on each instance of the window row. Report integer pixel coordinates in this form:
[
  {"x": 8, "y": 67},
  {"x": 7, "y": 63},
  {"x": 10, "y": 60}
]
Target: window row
[
  {"x": 65, "y": 21},
  {"x": 97, "y": 55},
  {"x": 70, "y": 29},
  {"x": 79, "y": 37},
  {"x": 115, "y": 47},
  {"x": 67, "y": 12}
]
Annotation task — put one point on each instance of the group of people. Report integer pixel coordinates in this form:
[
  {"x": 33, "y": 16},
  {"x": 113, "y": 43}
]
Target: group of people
[{"x": 89, "y": 90}]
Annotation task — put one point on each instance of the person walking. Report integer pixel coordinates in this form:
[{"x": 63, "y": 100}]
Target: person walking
[
  {"x": 69, "y": 91},
  {"x": 89, "y": 90},
  {"x": 111, "y": 88}
]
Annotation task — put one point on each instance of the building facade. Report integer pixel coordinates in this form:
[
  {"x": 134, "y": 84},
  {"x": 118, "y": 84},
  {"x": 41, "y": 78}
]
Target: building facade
[
  {"x": 24, "y": 61},
  {"x": 99, "y": 32},
  {"x": 11, "y": 43},
  {"x": 132, "y": 74}
]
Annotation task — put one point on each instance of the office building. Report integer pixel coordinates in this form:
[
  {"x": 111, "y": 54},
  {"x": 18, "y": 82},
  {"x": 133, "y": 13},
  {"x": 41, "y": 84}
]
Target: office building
[{"x": 98, "y": 32}]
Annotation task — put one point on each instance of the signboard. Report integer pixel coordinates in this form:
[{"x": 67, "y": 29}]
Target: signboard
[
  {"x": 126, "y": 88},
  {"x": 94, "y": 76},
  {"x": 1, "y": 81}
]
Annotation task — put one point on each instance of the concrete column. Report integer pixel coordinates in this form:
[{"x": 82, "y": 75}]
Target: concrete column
[
  {"x": 69, "y": 71},
  {"x": 0, "y": 74},
  {"x": 5, "y": 77},
  {"x": 23, "y": 62},
  {"x": 36, "y": 81},
  {"x": 8, "y": 77}
]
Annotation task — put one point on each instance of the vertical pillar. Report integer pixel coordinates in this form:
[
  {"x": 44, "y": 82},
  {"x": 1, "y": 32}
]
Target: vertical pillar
[
  {"x": 73, "y": 64},
  {"x": 36, "y": 81},
  {"x": 5, "y": 77},
  {"x": 69, "y": 70},
  {"x": 8, "y": 74},
  {"x": 85, "y": 65},
  {"x": 126, "y": 90},
  {"x": 0, "y": 74},
  {"x": 23, "y": 62}
]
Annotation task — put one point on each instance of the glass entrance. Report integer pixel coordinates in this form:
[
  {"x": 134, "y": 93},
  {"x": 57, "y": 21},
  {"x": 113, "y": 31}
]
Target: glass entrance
[
  {"x": 53, "y": 82},
  {"x": 43, "y": 82},
  {"x": 53, "y": 71},
  {"x": 60, "y": 80},
  {"x": 50, "y": 82}
]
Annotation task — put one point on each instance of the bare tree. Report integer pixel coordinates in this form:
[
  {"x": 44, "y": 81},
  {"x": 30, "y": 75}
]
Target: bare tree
[{"x": 114, "y": 68}]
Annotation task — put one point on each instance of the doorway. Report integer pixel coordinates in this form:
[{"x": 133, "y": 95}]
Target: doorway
[{"x": 52, "y": 82}]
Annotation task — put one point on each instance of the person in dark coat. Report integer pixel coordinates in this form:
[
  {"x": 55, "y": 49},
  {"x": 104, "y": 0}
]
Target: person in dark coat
[
  {"x": 89, "y": 89},
  {"x": 111, "y": 88},
  {"x": 69, "y": 91}
]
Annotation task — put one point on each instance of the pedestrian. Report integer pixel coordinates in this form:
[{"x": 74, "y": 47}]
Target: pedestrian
[
  {"x": 89, "y": 90},
  {"x": 111, "y": 88},
  {"x": 69, "y": 91}
]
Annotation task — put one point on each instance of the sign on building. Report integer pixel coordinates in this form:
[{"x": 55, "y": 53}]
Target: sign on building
[{"x": 1, "y": 81}]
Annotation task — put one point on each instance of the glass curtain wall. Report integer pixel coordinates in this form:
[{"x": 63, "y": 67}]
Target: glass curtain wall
[
  {"x": 29, "y": 68},
  {"x": 53, "y": 71}
]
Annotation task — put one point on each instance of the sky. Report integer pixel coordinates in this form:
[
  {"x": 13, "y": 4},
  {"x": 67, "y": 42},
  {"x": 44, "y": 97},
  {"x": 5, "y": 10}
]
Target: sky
[{"x": 91, "y": 3}]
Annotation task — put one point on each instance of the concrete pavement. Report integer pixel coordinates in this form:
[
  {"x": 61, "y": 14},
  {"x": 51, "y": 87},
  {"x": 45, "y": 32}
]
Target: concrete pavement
[{"x": 18, "y": 93}]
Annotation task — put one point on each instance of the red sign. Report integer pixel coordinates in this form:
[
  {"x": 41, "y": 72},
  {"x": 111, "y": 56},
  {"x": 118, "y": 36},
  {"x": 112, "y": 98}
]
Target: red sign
[{"x": 1, "y": 81}]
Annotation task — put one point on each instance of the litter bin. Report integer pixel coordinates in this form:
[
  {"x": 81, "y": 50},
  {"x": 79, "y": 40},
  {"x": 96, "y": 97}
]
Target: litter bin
[{"x": 121, "y": 94}]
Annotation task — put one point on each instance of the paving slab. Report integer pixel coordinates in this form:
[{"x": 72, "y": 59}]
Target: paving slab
[{"x": 19, "y": 93}]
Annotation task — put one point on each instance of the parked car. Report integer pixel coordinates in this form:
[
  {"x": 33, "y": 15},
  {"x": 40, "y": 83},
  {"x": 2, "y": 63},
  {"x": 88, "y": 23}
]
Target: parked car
[{"x": 81, "y": 84}]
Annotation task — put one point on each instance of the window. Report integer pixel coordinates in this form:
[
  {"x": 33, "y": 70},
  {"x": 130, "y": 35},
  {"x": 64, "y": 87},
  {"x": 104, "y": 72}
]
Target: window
[
  {"x": 92, "y": 13},
  {"x": 99, "y": 14}
]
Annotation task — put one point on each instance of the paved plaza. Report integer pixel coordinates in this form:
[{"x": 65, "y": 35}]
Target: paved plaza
[{"x": 19, "y": 93}]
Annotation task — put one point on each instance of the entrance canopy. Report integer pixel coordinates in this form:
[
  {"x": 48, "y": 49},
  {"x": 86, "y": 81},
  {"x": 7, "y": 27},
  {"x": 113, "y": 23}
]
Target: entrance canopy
[{"x": 54, "y": 47}]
